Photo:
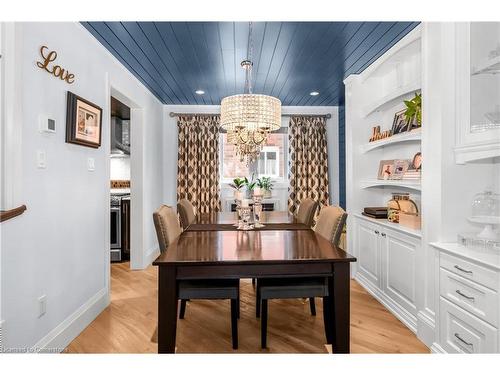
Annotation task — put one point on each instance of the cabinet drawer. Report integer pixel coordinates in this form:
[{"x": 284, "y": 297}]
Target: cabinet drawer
[
  {"x": 462, "y": 332},
  {"x": 474, "y": 298},
  {"x": 470, "y": 271}
]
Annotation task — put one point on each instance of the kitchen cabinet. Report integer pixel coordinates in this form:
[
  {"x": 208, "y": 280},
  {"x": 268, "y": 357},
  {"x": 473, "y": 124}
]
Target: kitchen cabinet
[
  {"x": 478, "y": 91},
  {"x": 386, "y": 266}
]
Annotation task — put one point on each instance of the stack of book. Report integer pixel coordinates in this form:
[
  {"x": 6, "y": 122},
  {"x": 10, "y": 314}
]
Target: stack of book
[
  {"x": 375, "y": 212},
  {"x": 412, "y": 174}
]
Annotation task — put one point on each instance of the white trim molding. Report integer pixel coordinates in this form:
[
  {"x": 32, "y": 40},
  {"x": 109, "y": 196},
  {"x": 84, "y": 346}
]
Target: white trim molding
[{"x": 62, "y": 335}]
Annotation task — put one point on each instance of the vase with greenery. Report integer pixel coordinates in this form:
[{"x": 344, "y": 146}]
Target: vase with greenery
[
  {"x": 249, "y": 184},
  {"x": 414, "y": 109},
  {"x": 237, "y": 183},
  {"x": 266, "y": 184}
]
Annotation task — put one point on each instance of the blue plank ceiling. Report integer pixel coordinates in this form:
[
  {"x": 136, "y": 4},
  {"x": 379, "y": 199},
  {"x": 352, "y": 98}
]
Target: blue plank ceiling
[{"x": 291, "y": 59}]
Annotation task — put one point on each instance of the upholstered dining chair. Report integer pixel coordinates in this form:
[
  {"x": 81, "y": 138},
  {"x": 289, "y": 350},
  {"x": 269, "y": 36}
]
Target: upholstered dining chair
[
  {"x": 329, "y": 225},
  {"x": 167, "y": 230},
  {"x": 187, "y": 212},
  {"x": 306, "y": 211}
]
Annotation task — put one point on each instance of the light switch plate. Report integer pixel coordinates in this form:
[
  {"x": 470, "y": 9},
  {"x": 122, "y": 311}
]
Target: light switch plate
[
  {"x": 91, "y": 164},
  {"x": 42, "y": 305},
  {"x": 41, "y": 159}
]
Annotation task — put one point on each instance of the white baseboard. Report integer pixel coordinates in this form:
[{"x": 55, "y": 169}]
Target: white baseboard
[
  {"x": 406, "y": 318},
  {"x": 151, "y": 256},
  {"x": 437, "y": 349},
  {"x": 426, "y": 328},
  {"x": 61, "y": 336}
]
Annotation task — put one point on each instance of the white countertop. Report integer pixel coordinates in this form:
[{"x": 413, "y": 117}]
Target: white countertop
[
  {"x": 485, "y": 257},
  {"x": 386, "y": 223}
]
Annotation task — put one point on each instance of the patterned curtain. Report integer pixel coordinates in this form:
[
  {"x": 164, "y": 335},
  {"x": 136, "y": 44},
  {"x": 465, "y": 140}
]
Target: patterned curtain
[
  {"x": 308, "y": 161},
  {"x": 198, "y": 162}
]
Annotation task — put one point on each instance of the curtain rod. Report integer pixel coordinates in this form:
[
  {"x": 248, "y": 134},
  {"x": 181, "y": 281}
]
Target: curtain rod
[{"x": 176, "y": 114}]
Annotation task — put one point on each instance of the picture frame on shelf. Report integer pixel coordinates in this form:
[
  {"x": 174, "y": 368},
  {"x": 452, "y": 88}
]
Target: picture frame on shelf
[
  {"x": 400, "y": 168},
  {"x": 399, "y": 124},
  {"x": 385, "y": 169},
  {"x": 83, "y": 122},
  {"x": 416, "y": 162}
]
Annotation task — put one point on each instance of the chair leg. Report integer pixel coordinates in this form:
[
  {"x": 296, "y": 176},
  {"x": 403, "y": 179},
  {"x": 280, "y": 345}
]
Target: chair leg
[
  {"x": 183, "y": 309},
  {"x": 327, "y": 319},
  {"x": 257, "y": 304},
  {"x": 234, "y": 322},
  {"x": 263, "y": 325},
  {"x": 253, "y": 282},
  {"x": 312, "y": 305}
]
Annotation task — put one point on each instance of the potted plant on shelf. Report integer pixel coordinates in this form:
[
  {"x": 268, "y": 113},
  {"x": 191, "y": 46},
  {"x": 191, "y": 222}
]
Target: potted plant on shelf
[
  {"x": 266, "y": 184},
  {"x": 413, "y": 113}
]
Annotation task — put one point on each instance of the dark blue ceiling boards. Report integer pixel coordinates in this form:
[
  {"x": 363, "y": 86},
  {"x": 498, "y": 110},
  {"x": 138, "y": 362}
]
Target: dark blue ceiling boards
[{"x": 291, "y": 59}]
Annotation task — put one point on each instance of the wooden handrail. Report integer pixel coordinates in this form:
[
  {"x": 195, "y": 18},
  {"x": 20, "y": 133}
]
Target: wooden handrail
[{"x": 9, "y": 214}]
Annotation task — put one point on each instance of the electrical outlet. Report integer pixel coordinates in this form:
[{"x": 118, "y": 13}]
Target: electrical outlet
[
  {"x": 42, "y": 305},
  {"x": 41, "y": 159}
]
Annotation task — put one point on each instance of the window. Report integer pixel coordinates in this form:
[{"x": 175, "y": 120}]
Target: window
[
  {"x": 271, "y": 163},
  {"x": 268, "y": 164}
]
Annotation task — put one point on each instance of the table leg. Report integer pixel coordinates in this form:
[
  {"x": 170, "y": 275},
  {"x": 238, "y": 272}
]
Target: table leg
[
  {"x": 340, "y": 299},
  {"x": 167, "y": 309}
]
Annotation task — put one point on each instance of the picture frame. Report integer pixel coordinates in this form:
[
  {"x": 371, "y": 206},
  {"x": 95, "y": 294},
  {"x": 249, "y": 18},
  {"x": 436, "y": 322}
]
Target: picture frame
[
  {"x": 416, "y": 163},
  {"x": 400, "y": 167},
  {"x": 385, "y": 169},
  {"x": 399, "y": 124},
  {"x": 83, "y": 122}
]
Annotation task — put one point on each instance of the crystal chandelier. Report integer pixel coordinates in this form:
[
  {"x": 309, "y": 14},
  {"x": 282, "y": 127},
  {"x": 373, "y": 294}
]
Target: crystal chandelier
[{"x": 248, "y": 117}]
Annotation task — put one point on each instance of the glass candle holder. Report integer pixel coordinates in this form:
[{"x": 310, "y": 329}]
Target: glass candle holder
[
  {"x": 245, "y": 218},
  {"x": 257, "y": 210}
]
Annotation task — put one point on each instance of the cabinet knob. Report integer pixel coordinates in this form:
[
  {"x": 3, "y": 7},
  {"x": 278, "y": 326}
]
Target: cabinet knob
[
  {"x": 377, "y": 232},
  {"x": 383, "y": 234}
]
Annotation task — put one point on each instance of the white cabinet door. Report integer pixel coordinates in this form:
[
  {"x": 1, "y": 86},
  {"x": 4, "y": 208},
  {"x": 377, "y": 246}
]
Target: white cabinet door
[
  {"x": 477, "y": 91},
  {"x": 398, "y": 253},
  {"x": 368, "y": 251}
]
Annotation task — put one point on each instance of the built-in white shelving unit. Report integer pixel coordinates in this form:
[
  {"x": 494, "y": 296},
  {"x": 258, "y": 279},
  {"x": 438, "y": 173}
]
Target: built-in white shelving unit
[
  {"x": 412, "y": 136},
  {"x": 408, "y": 184},
  {"x": 393, "y": 97},
  {"x": 386, "y": 252}
]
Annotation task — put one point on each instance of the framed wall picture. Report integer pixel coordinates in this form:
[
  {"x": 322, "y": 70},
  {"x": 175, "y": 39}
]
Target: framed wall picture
[
  {"x": 83, "y": 122},
  {"x": 386, "y": 169},
  {"x": 400, "y": 124}
]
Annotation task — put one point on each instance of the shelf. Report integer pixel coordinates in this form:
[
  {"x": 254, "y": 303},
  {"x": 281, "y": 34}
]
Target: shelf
[
  {"x": 490, "y": 66},
  {"x": 409, "y": 45},
  {"x": 412, "y": 136},
  {"x": 394, "y": 226},
  {"x": 408, "y": 184},
  {"x": 392, "y": 98}
]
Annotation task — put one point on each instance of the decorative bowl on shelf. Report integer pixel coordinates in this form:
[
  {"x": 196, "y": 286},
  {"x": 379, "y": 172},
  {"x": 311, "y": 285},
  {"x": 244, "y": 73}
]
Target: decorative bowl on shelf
[{"x": 486, "y": 211}]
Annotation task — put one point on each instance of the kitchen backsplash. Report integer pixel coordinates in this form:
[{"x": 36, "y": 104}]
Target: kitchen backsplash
[{"x": 120, "y": 184}]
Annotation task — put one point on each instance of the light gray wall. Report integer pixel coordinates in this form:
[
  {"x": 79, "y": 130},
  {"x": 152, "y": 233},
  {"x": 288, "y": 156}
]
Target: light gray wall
[
  {"x": 281, "y": 190},
  {"x": 60, "y": 246}
]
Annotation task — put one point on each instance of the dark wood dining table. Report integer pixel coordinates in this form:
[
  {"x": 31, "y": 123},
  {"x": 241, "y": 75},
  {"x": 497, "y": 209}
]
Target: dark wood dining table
[
  {"x": 272, "y": 220},
  {"x": 223, "y": 253}
]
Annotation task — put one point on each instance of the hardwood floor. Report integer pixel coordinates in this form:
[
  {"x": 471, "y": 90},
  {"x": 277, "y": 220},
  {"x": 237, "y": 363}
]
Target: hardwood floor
[{"x": 128, "y": 324}]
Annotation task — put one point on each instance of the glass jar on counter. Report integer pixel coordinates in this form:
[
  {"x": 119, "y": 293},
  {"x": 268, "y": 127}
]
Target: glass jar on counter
[{"x": 400, "y": 202}]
